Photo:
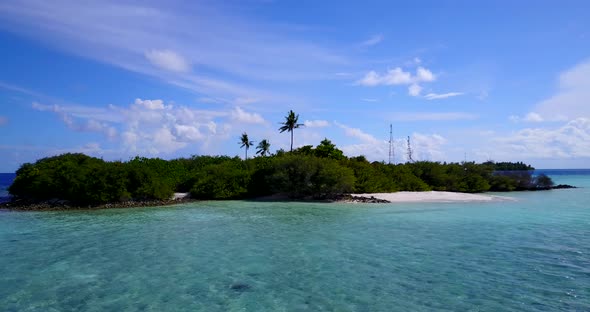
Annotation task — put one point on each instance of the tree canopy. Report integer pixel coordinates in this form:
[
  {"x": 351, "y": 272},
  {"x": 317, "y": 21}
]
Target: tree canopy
[{"x": 314, "y": 172}]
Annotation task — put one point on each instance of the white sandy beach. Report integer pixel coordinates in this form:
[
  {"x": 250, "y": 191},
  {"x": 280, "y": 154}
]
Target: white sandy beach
[{"x": 433, "y": 197}]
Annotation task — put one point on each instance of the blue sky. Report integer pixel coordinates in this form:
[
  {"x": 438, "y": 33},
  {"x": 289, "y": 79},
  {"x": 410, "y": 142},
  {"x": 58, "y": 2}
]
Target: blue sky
[{"x": 485, "y": 80}]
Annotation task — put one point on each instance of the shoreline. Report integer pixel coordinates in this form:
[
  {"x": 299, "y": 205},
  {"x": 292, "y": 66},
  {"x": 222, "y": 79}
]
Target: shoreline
[
  {"x": 362, "y": 198},
  {"x": 433, "y": 197}
]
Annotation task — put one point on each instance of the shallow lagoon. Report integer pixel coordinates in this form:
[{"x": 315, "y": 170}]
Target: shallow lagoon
[{"x": 532, "y": 254}]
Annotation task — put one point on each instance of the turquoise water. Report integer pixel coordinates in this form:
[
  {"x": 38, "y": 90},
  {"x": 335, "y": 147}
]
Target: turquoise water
[{"x": 532, "y": 254}]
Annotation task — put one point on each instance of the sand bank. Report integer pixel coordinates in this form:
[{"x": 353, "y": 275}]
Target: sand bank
[{"x": 433, "y": 197}]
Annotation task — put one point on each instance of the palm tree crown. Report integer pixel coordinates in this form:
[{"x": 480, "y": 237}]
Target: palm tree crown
[
  {"x": 245, "y": 143},
  {"x": 290, "y": 124},
  {"x": 263, "y": 148}
]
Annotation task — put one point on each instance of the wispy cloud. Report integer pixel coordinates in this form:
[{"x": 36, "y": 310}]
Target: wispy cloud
[
  {"x": 357, "y": 133},
  {"x": 230, "y": 53},
  {"x": 376, "y": 39},
  {"x": 168, "y": 60},
  {"x": 436, "y": 96},
  {"x": 530, "y": 117},
  {"x": 316, "y": 123},
  {"x": 433, "y": 116},
  {"x": 370, "y": 100}
]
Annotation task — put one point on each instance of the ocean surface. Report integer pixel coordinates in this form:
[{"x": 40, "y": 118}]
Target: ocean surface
[{"x": 529, "y": 254}]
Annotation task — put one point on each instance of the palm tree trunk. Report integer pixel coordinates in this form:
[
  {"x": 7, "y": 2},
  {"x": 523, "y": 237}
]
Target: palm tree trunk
[
  {"x": 291, "y": 140},
  {"x": 246, "y": 153}
]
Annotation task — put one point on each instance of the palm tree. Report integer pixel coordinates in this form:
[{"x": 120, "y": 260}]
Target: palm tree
[
  {"x": 245, "y": 142},
  {"x": 290, "y": 124},
  {"x": 263, "y": 148}
]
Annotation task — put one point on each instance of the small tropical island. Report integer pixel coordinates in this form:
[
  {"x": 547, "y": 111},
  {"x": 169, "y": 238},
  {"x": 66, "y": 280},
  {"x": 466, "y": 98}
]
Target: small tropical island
[{"x": 323, "y": 172}]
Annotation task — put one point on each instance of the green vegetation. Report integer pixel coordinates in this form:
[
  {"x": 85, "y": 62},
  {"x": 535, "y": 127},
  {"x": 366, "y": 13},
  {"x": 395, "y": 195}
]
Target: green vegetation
[{"x": 307, "y": 172}]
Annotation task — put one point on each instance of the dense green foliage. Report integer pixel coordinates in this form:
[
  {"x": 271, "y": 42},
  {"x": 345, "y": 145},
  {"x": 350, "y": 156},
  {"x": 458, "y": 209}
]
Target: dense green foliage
[
  {"x": 509, "y": 166},
  {"x": 306, "y": 172}
]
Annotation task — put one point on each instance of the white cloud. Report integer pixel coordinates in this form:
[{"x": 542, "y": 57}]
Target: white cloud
[
  {"x": 357, "y": 133},
  {"x": 397, "y": 76},
  {"x": 427, "y": 147},
  {"x": 372, "y": 151},
  {"x": 414, "y": 90},
  {"x": 530, "y": 117},
  {"x": 424, "y": 75},
  {"x": 150, "y": 104},
  {"x": 533, "y": 117},
  {"x": 168, "y": 60},
  {"x": 373, "y": 40},
  {"x": 190, "y": 133},
  {"x": 571, "y": 140},
  {"x": 240, "y": 115},
  {"x": 150, "y": 126},
  {"x": 572, "y": 100},
  {"x": 427, "y": 116},
  {"x": 164, "y": 140},
  {"x": 70, "y": 116},
  {"x": 316, "y": 123},
  {"x": 435, "y": 96},
  {"x": 3, "y": 120}
]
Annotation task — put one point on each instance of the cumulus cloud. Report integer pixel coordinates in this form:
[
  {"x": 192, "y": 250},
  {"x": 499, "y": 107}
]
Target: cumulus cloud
[
  {"x": 570, "y": 140},
  {"x": 168, "y": 60},
  {"x": 435, "y": 96},
  {"x": 316, "y": 123},
  {"x": 572, "y": 100},
  {"x": 150, "y": 126},
  {"x": 397, "y": 76}
]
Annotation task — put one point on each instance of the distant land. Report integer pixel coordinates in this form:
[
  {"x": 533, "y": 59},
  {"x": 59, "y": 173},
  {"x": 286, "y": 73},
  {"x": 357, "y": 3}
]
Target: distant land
[{"x": 70, "y": 181}]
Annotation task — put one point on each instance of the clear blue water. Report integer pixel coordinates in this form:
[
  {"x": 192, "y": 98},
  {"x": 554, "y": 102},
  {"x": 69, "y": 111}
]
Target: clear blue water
[{"x": 532, "y": 254}]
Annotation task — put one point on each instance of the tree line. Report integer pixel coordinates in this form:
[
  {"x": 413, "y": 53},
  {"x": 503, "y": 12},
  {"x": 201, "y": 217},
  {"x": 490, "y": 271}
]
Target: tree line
[{"x": 306, "y": 172}]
